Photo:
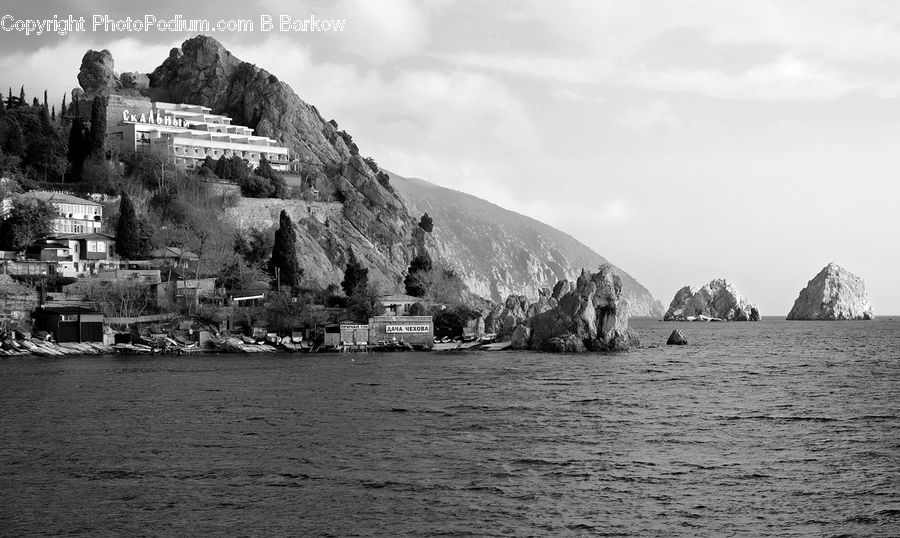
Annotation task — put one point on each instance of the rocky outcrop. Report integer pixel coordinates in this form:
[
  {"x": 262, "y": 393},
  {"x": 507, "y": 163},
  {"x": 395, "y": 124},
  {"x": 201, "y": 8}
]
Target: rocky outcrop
[
  {"x": 833, "y": 294},
  {"x": 716, "y": 301},
  {"x": 498, "y": 252},
  {"x": 372, "y": 219},
  {"x": 592, "y": 312},
  {"x": 677, "y": 338},
  {"x": 203, "y": 72},
  {"x": 97, "y": 74}
]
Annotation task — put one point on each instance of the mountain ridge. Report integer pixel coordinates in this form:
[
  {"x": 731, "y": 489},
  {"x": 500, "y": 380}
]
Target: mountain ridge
[{"x": 554, "y": 254}]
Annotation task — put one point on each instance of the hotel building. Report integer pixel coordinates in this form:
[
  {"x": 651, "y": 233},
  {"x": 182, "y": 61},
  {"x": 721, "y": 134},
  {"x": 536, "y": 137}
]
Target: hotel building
[{"x": 186, "y": 134}]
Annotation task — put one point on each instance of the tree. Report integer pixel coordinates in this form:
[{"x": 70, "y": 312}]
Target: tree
[
  {"x": 414, "y": 285},
  {"x": 128, "y": 230},
  {"x": 356, "y": 277},
  {"x": 78, "y": 148},
  {"x": 264, "y": 169},
  {"x": 114, "y": 299},
  {"x": 284, "y": 265},
  {"x": 12, "y": 141},
  {"x": 28, "y": 220},
  {"x": 254, "y": 245},
  {"x": 98, "y": 128},
  {"x": 426, "y": 223},
  {"x": 441, "y": 285}
]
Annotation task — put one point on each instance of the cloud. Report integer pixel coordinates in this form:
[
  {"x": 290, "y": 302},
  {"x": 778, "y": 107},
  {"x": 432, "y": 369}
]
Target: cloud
[
  {"x": 657, "y": 116},
  {"x": 379, "y": 32},
  {"x": 37, "y": 69}
]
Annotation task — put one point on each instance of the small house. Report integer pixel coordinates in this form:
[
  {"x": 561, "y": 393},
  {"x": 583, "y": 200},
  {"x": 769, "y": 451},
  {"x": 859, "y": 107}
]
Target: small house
[{"x": 71, "y": 323}]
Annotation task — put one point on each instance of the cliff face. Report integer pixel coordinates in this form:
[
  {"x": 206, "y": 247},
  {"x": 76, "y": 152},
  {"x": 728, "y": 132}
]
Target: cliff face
[
  {"x": 500, "y": 253},
  {"x": 833, "y": 294},
  {"x": 718, "y": 299}
]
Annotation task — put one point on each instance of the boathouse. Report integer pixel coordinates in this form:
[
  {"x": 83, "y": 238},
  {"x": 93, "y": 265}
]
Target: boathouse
[{"x": 71, "y": 323}]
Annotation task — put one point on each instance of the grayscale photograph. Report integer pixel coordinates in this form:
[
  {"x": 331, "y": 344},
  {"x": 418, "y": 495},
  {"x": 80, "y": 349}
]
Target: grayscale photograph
[{"x": 450, "y": 268}]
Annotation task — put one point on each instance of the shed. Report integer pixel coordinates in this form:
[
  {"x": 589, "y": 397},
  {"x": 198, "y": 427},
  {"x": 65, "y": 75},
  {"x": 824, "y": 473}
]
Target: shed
[{"x": 71, "y": 323}]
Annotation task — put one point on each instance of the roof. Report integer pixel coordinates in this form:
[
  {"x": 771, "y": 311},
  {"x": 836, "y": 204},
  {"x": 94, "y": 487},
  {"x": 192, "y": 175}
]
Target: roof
[
  {"x": 69, "y": 310},
  {"x": 173, "y": 252},
  {"x": 58, "y": 197}
]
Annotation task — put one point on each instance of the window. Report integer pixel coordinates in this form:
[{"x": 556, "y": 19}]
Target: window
[{"x": 68, "y": 317}]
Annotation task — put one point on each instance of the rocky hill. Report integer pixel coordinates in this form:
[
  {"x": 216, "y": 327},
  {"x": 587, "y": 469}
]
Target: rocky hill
[
  {"x": 498, "y": 252},
  {"x": 501, "y": 253},
  {"x": 833, "y": 294},
  {"x": 371, "y": 217},
  {"x": 717, "y": 300}
]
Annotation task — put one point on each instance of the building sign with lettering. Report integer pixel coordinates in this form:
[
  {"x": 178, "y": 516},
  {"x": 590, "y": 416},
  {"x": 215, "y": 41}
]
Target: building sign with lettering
[
  {"x": 350, "y": 327},
  {"x": 155, "y": 119},
  {"x": 395, "y": 329}
]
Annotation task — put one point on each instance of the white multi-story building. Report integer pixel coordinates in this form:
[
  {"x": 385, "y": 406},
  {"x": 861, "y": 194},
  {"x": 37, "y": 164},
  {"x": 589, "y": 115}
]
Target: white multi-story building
[
  {"x": 74, "y": 215},
  {"x": 187, "y": 134}
]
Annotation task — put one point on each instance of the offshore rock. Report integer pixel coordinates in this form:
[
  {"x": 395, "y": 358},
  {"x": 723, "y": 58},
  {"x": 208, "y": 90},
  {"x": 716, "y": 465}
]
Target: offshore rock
[
  {"x": 592, "y": 313},
  {"x": 676, "y": 339},
  {"x": 97, "y": 74},
  {"x": 717, "y": 301},
  {"x": 520, "y": 337},
  {"x": 833, "y": 294}
]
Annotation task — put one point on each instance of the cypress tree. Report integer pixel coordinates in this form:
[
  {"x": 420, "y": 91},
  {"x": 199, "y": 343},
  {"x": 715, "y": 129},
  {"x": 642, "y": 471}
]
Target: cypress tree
[
  {"x": 77, "y": 148},
  {"x": 22, "y": 94},
  {"x": 53, "y": 113},
  {"x": 62, "y": 109},
  {"x": 284, "y": 254},
  {"x": 128, "y": 230},
  {"x": 45, "y": 97},
  {"x": 98, "y": 128},
  {"x": 356, "y": 277},
  {"x": 2, "y": 108}
]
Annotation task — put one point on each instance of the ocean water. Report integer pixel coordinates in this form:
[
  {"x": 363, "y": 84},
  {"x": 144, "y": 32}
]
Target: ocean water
[{"x": 754, "y": 429}]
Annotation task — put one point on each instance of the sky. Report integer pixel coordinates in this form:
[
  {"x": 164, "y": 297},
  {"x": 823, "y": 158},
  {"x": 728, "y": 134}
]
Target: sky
[{"x": 682, "y": 140}]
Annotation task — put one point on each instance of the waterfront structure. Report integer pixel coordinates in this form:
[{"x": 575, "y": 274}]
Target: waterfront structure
[
  {"x": 417, "y": 331},
  {"x": 71, "y": 323},
  {"x": 186, "y": 134},
  {"x": 74, "y": 215}
]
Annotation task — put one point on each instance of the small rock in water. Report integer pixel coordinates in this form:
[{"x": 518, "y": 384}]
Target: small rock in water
[{"x": 676, "y": 339}]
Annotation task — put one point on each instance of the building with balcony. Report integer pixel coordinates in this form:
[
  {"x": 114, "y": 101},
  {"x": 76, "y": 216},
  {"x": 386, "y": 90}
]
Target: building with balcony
[
  {"x": 75, "y": 255},
  {"x": 187, "y": 134},
  {"x": 74, "y": 215}
]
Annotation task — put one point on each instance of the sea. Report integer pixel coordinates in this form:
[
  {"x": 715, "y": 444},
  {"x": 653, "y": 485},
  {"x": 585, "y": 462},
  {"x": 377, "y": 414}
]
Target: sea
[{"x": 773, "y": 428}]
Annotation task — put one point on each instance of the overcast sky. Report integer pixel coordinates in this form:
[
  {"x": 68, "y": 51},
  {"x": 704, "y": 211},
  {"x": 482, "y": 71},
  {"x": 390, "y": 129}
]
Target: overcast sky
[{"x": 685, "y": 141}]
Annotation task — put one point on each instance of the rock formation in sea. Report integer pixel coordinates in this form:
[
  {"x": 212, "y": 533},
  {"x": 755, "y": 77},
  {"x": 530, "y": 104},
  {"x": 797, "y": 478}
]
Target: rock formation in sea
[
  {"x": 677, "y": 338},
  {"x": 833, "y": 294},
  {"x": 716, "y": 301},
  {"x": 588, "y": 314}
]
